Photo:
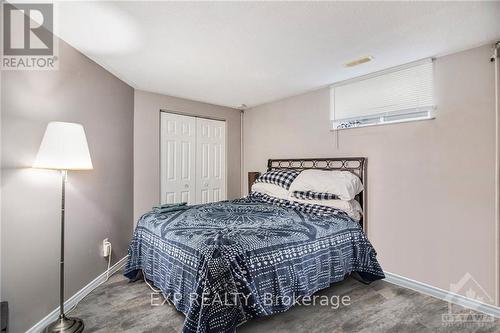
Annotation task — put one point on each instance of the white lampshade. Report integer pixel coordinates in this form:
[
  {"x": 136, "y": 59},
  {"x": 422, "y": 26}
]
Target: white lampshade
[{"x": 64, "y": 147}]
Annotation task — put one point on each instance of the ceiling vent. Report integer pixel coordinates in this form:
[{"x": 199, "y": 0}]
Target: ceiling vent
[{"x": 359, "y": 61}]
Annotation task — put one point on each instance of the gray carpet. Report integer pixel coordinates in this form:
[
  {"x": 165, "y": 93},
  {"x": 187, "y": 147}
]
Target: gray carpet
[{"x": 120, "y": 306}]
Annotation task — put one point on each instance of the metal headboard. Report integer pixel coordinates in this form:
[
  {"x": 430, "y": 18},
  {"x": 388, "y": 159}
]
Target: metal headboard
[{"x": 356, "y": 165}]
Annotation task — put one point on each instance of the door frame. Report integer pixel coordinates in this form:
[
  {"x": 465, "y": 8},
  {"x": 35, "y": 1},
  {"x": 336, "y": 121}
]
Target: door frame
[{"x": 188, "y": 114}]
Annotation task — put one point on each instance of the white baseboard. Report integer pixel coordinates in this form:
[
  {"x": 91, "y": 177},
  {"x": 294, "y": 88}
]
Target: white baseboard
[
  {"x": 443, "y": 294},
  {"x": 73, "y": 300}
]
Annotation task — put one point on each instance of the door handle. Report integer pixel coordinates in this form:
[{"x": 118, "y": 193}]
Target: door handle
[
  {"x": 206, "y": 184},
  {"x": 186, "y": 185}
]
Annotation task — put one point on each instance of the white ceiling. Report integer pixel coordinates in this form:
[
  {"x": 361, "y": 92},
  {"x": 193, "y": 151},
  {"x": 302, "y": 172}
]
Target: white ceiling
[{"x": 229, "y": 53}]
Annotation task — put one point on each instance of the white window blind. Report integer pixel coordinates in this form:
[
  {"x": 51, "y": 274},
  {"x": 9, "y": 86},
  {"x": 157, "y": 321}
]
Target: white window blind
[{"x": 399, "y": 94}]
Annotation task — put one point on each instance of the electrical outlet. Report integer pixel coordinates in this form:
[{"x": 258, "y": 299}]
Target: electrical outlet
[{"x": 106, "y": 248}]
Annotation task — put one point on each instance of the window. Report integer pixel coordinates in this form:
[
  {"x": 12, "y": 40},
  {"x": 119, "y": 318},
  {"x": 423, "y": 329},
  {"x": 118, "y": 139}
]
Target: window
[{"x": 404, "y": 93}]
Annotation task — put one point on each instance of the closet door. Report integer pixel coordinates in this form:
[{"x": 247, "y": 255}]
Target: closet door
[
  {"x": 210, "y": 160},
  {"x": 177, "y": 158}
]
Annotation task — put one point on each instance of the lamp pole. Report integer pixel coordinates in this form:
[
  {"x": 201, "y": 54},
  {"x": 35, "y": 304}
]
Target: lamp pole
[
  {"x": 64, "y": 178},
  {"x": 64, "y": 324}
]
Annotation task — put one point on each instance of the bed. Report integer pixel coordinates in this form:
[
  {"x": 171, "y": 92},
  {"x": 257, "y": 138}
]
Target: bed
[{"x": 224, "y": 263}]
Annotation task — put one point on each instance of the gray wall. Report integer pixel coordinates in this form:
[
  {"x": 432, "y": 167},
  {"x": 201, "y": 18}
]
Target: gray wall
[
  {"x": 99, "y": 202},
  {"x": 431, "y": 185},
  {"x": 147, "y": 144}
]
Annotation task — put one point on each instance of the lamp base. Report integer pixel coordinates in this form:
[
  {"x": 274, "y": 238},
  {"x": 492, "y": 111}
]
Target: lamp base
[{"x": 65, "y": 325}]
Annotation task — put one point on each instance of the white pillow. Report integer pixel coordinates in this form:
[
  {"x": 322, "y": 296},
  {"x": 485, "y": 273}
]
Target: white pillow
[
  {"x": 344, "y": 184},
  {"x": 351, "y": 207},
  {"x": 270, "y": 189}
]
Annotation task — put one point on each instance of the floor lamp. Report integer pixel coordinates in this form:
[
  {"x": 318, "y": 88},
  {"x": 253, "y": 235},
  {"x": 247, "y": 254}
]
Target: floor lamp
[{"x": 64, "y": 147}]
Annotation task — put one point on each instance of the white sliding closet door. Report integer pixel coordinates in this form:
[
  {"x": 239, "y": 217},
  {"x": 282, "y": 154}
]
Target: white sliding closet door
[
  {"x": 210, "y": 160},
  {"x": 178, "y": 156},
  {"x": 192, "y": 159}
]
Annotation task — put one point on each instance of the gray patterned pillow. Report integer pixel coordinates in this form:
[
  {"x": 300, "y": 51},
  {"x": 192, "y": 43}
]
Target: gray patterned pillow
[{"x": 280, "y": 177}]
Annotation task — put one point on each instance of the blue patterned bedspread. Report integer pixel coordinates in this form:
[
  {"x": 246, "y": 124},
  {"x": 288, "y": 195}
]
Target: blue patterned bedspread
[{"x": 222, "y": 263}]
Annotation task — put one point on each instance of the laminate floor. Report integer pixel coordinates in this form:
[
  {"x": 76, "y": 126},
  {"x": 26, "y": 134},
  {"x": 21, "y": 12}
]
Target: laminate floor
[{"x": 120, "y": 306}]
